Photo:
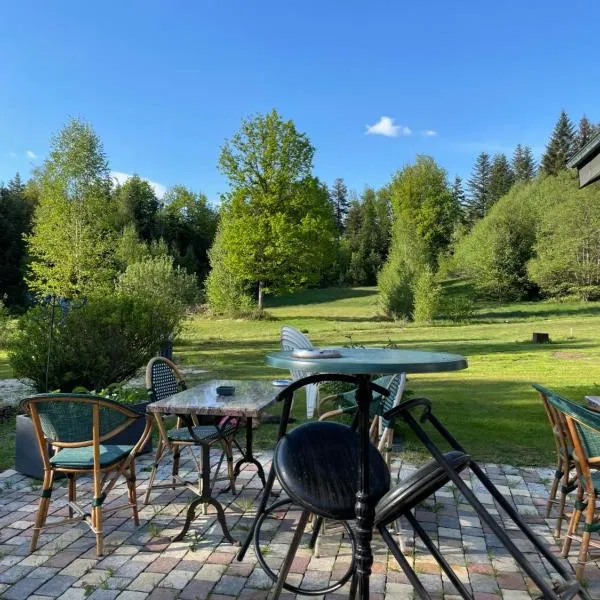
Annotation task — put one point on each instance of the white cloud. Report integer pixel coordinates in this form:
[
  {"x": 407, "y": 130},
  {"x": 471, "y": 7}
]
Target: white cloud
[
  {"x": 429, "y": 133},
  {"x": 159, "y": 189},
  {"x": 31, "y": 154},
  {"x": 12, "y": 154},
  {"x": 385, "y": 126}
]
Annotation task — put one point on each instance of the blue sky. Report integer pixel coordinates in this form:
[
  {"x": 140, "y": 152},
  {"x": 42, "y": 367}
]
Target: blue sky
[{"x": 165, "y": 82}]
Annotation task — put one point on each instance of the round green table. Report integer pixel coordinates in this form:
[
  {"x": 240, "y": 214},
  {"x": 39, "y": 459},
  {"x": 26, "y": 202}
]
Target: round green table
[{"x": 362, "y": 363}]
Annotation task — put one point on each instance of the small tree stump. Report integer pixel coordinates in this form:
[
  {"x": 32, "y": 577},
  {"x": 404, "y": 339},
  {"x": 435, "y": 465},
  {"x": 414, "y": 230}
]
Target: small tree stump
[{"x": 541, "y": 338}]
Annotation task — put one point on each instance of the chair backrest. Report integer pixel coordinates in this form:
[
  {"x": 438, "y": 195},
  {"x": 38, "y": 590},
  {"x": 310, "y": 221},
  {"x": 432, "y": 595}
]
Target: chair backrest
[
  {"x": 163, "y": 379},
  {"x": 292, "y": 339},
  {"x": 558, "y": 422},
  {"x": 69, "y": 419},
  {"x": 396, "y": 388}
]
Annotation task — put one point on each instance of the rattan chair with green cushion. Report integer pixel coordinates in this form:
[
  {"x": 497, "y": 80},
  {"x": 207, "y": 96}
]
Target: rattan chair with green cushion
[
  {"x": 163, "y": 379},
  {"x": 565, "y": 474},
  {"x": 584, "y": 433},
  {"x": 80, "y": 427}
]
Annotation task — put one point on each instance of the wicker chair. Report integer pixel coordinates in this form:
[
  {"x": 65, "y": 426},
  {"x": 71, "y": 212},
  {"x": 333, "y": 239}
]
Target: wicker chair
[
  {"x": 79, "y": 427},
  {"x": 565, "y": 475},
  {"x": 292, "y": 339},
  {"x": 584, "y": 432},
  {"x": 163, "y": 379}
]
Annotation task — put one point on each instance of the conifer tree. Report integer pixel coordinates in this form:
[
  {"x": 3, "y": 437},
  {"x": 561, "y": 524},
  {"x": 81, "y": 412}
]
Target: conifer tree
[
  {"x": 586, "y": 132},
  {"x": 479, "y": 189},
  {"x": 501, "y": 178},
  {"x": 523, "y": 163},
  {"x": 338, "y": 195},
  {"x": 458, "y": 193},
  {"x": 561, "y": 146}
]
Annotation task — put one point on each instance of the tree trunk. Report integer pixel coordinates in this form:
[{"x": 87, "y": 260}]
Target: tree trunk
[{"x": 261, "y": 295}]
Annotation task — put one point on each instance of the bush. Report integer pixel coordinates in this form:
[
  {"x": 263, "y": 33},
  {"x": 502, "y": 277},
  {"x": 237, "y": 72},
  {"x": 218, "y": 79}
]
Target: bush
[
  {"x": 3, "y": 325},
  {"x": 457, "y": 308},
  {"x": 427, "y": 295},
  {"x": 105, "y": 340},
  {"x": 157, "y": 277}
]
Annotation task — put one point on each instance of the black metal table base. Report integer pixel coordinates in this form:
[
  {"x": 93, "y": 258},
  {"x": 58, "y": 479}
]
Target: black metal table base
[{"x": 248, "y": 457}]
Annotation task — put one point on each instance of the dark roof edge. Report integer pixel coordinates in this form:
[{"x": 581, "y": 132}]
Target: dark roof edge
[{"x": 585, "y": 152}]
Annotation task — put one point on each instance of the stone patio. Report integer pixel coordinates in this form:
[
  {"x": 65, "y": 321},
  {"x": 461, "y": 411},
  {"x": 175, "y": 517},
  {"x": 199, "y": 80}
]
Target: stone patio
[{"x": 140, "y": 562}]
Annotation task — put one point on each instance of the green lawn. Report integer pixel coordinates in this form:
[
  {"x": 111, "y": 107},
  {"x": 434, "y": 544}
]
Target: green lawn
[{"x": 490, "y": 407}]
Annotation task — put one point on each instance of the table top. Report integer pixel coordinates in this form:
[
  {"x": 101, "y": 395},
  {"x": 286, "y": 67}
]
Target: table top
[
  {"x": 250, "y": 398},
  {"x": 366, "y": 361}
]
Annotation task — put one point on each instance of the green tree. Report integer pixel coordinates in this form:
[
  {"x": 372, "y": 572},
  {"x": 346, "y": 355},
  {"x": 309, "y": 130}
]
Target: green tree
[
  {"x": 420, "y": 194},
  {"x": 459, "y": 195},
  {"x": 428, "y": 296},
  {"x": 16, "y": 210},
  {"x": 278, "y": 226},
  {"x": 502, "y": 178},
  {"x": 561, "y": 146},
  {"x": 585, "y": 132},
  {"x": 72, "y": 242},
  {"x": 478, "y": 201},
  {"x": 189, "y": 225},
  {"x": 523, "y": 163},
  {"x": 567, "y": 250},
  {"x": 338, "y": 194},
  {"x": 137, "y": 204}
]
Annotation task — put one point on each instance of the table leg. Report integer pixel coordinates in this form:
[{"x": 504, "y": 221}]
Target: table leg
[
  {"x": 365, "y": 511},
  {"x": 248, "y": 456},
  {"x": 205, "y": 498}
]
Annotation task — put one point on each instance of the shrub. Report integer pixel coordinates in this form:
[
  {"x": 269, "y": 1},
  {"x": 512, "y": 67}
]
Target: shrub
[
  {"x": 157, "y": 277},
  {"x": 103, "y": 341},
  {"x": 457, "y": 308},
  {"x": 427, "y": 295}
]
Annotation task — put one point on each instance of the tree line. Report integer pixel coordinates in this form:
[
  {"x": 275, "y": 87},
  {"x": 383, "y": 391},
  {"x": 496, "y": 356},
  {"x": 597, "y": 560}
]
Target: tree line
[{"x": 72, "y": 231}]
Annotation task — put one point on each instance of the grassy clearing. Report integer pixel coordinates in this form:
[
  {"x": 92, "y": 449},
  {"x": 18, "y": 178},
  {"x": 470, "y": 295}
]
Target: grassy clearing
[{"x": 490, "y": 407}]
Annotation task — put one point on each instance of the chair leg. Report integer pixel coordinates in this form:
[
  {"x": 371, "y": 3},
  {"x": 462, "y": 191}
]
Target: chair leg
[
  {"x": 561, "y": 505},
  {"x": 585, "y": 540},
  {"x": 176, "y": 455},
  {"x": 160, "y": 448},
  {"x": 131, "y": 485},
  {"x": 72, "y": 492},
  {"x": 558, "y": 475},
  {"x": 289, "y": 559},
  {"x": 42, "y": 513},
  {"x": 99, "y": 527},
  {"x": 573, "y": 523},
  {"x": 229, "y": 454}
]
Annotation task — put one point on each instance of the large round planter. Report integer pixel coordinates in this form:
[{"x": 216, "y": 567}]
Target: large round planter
[{"x": 27, "y": 453}]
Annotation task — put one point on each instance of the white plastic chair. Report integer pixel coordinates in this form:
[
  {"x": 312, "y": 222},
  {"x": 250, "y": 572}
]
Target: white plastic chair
[{"x": 292, "y": 339}]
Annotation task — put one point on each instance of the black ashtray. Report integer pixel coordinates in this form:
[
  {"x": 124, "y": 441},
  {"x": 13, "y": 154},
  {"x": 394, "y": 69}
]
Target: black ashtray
[{"x": 226, "y": 390}]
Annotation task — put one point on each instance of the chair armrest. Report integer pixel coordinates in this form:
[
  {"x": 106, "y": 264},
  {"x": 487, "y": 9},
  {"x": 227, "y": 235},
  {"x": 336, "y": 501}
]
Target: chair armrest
[
  {"x": 326, "y": 399},
  {"x": 409, "y": 405}
]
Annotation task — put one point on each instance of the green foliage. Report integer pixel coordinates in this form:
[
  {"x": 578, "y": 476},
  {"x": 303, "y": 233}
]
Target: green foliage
[
  {"x": 567, "y": 260},
  {"x": 585, "y": 133},
  {"x": 225, "y": 293},
  {"x": 105, "y": 340},
  {"x": 478, "y": 201},
  {"x": 136, "y": 204},
  {"x": 3, "y": 325},
  {"x": 157, "y": 277},
  {"x": 427, "y": 296},
  {"x": 523, "y": 163},
  {"x": 338, "y": 195},
  {"x": 501, "y": 178},
  {"x": 16, "y": 210},
  {"x": 420, "y": 194},
  {"x": 398, "y": 276},
  {"x": 189, "y": 225},
  {"x": 457, "y": 308},
  {"x": 72, "y": 243},
  {"x": 561, "y": 147},
  {"x": 277, "y": 229}
]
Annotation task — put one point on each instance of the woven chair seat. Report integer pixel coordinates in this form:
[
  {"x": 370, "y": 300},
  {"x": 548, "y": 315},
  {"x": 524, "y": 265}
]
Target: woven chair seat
[
  {"x": 83, "y": 458},
  {"x": 206, "y": 433}
]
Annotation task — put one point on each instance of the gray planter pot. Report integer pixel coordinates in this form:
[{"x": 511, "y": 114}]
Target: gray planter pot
[{"x": 27, "y": 454}]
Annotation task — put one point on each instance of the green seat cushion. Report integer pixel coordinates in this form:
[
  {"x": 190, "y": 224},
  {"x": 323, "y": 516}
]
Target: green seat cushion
[
  {"x": 207, "y": 433},
  {"x": 83, "y": 458}
]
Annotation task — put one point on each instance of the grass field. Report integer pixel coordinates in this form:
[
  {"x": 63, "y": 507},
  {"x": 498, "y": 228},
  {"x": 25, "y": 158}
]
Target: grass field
[{"x": 490, "y": 407}]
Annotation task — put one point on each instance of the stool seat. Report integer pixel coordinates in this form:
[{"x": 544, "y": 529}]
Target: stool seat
[
  {"x": 418, "y": 486},
  {"x": 317, "y": 465}
]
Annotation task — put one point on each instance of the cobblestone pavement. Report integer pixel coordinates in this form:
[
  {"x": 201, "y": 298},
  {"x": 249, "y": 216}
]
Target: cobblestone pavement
[{"x": 140, "y": 562}]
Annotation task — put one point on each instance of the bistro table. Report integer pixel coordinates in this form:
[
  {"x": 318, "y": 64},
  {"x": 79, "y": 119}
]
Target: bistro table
[
  {"x": 362, "y": 363},
  {"x": 249, "y": 400}
]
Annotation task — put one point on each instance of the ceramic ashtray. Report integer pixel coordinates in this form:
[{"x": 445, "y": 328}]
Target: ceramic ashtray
[{"x": 226, "y": 390}]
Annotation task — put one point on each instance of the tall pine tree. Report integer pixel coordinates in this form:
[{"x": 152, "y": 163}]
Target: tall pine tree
[
  {"x": 523, "y": 163},
  {"x": 586, "y": 132},
  {"x": 479, "y": 189},
  {"x": 501, "y": 178},
  {"x": 338, "y": 194},
  {"x": 459, "y": 195},
  {"x": 561, "y": 147}
]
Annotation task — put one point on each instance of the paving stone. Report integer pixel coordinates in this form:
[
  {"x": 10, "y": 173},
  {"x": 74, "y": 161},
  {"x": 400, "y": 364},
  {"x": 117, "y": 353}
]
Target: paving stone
[
  {"x": 57, "y": 585},
  {"x": 22, "y": 589}
]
